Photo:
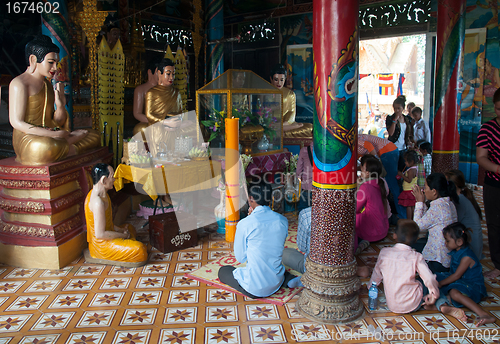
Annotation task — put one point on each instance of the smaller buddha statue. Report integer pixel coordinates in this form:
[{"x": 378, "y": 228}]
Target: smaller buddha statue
[
  {"x": 107, "y": 241},
  {"x": 240, "y": 101},
  {"x": 113, "y": 36},
  {"x": 41, "y": 135},
  {"x": 291, "y": 129}
]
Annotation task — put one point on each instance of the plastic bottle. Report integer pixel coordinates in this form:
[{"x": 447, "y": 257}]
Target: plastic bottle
[{"x": 373, "y": 297}]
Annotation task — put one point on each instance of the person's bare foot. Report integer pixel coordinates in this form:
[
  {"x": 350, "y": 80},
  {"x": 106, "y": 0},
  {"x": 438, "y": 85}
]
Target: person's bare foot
[
  {"x": 454, "y": 312},
  {"x": 363, "y": 271},
  {"x": 492, "y": 274},
  {"x": 485, "y": 319}
]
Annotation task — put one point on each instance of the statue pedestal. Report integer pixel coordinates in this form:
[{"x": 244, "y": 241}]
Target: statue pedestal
[{"x": 42, "y": 218}]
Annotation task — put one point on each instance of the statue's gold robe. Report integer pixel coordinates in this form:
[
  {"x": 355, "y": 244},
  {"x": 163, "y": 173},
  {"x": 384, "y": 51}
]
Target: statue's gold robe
[
  {"x": 43, "y": 150},
  {"x": 118, "y": 249},
  {"x": 289, "y": 112},
  {"x": 161, "y": 102}
]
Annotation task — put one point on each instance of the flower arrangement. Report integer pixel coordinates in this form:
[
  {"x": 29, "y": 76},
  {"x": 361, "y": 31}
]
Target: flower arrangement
[
  {"x": 262, "y": 117},
  {"x": 291, "y": 166},
  {"x": 215, "y": 124},
  {"x": 245, "y": 160}
]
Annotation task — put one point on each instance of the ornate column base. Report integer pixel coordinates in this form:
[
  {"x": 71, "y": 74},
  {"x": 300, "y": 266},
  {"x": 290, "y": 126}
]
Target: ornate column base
[
  {"x": 331, "y": 296},
  {"x": 443, "y": 161}
]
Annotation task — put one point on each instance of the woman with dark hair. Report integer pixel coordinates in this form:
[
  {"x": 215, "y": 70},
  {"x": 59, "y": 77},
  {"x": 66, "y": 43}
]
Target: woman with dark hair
[
  {"x": 372, "y": 222},
  {"x": 488, "y": 157},
  {"x": 468, "y": 211},
  {"x": 400, "y": 129},
  {"x": 442, "y": 212},
  {"x": 41, "y": 135}
]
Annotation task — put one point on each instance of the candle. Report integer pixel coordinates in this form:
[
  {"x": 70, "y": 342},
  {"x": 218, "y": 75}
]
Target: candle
[{"x": 232, "y": 177}]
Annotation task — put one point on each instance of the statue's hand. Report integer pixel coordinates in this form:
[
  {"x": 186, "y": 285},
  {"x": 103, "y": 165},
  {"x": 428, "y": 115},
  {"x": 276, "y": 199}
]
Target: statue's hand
[
  {"x": 172, "y": 122},
  {"x": 59, "y": 134},
  {"x": 59, "y": 96}
]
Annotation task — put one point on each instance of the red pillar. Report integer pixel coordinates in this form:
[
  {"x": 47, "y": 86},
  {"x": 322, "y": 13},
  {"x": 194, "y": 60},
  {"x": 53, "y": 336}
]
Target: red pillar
[
  {"x": 331, "y": 294},
  {"x": 449, "y": 59}
]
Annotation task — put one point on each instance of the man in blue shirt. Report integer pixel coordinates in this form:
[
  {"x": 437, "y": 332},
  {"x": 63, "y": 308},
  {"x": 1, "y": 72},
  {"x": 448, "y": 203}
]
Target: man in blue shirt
[
  {"x": 293, "y": 258},
  {"x": 259, "y": 241}
]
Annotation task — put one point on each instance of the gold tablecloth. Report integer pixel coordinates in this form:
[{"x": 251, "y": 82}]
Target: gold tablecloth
[{"x": 188, "y": 176}]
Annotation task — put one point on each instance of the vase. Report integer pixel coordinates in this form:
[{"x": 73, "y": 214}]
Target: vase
[
  {"x": 263, "y": 144},
  {"x": 220, "y": 213},
  {"x": 292, "y": 191}
]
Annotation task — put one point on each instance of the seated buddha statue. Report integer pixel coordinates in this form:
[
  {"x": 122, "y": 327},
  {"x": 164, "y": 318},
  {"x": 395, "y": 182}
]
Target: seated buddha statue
[
  {"x": 41, "y": 135},
  {"x": 107, "y": 241},
  {"x": 139, "y": 94},
  {"x": 291, "y": 129},
  {"x": 163, "y": 103}
]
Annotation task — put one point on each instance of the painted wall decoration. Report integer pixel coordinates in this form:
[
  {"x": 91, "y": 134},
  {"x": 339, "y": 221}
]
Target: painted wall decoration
[
  {"x": 484, "y": 14},
  {"x": 296, "y": 43},
  {"x": 299, "y": 61},
  {"x": 472, "y": 93}
]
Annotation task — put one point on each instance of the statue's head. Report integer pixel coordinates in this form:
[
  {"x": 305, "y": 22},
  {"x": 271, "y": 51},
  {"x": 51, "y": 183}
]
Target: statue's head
[
  {"x": 278, "y": 76},
  {"x": 166, "y": 72},
  {"x": 239, "y": 79},
  {"x": 103, "y": 173},
  {"x": 113, "y": 35},
  {"x": 40, "y": 46}
]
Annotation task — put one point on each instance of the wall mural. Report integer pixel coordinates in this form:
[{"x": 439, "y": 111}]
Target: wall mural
[
  {"x": 484, "y": 14},
  {"x": 296, "y": 43},
  {"x": 472, "y": 93}
]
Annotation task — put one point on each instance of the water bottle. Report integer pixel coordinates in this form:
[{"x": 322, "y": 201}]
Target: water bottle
[{"x": 373, "y": 297}]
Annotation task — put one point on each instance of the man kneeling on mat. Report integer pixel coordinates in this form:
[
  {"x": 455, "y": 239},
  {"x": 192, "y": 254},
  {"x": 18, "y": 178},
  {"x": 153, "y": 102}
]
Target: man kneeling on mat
[{"x": 259, "y": 241}]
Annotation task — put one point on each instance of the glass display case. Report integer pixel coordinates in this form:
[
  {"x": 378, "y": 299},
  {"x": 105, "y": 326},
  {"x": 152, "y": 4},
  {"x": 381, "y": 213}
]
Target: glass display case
[{"x": 245, "y": 95}]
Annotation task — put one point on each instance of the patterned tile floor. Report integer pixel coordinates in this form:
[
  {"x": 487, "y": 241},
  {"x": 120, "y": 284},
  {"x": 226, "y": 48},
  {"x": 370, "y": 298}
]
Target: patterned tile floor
[{"x": 95, "y": 304}]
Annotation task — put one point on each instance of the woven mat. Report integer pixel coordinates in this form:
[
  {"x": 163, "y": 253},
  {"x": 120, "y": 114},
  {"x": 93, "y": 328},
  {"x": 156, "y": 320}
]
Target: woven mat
[{"x": 208, "y": 275}]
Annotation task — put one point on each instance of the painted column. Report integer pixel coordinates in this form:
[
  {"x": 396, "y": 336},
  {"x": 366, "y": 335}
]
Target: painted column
[
  {"x": 331, "y": 294},
  {"x": 232, "y": 177},
  {"x": 215, "y": 31},
  {"x": 55, "y": 25},
  {"x": 449, "y": 59}
]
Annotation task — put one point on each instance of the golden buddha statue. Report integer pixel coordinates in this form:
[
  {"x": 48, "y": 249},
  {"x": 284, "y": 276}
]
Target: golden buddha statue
[
  {"x": 291, "y": 129},
  {"x": 163, "y": 103},
  {"x": 107, "y": 241},
  {"x": 41, "y": 135},
  {"x": 139, "y": 95}
]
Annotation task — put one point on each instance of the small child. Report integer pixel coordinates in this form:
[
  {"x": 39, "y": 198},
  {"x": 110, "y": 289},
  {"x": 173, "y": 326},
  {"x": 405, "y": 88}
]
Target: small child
[
  {"x": 420, "y": 127},
  {"x": 406, "y": 198},
  {"x": 397, "y": 267},
  {"x": 465, "y": 282},
  {"x": 420, "y": 170},
  {"x": 426, "y": 150}
]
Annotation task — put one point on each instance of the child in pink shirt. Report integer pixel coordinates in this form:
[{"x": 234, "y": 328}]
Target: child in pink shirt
[{"x": 397, "y": 267}]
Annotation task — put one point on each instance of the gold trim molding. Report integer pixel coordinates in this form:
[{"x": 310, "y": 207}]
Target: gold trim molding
[{"x": 22, "y": 206}]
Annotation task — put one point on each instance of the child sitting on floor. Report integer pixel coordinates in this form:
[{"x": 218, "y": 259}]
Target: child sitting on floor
[
  {"x": 465, "y": 282},
  {"x": 397, "y": 266},
  {"x": 410, "y": 178}
]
